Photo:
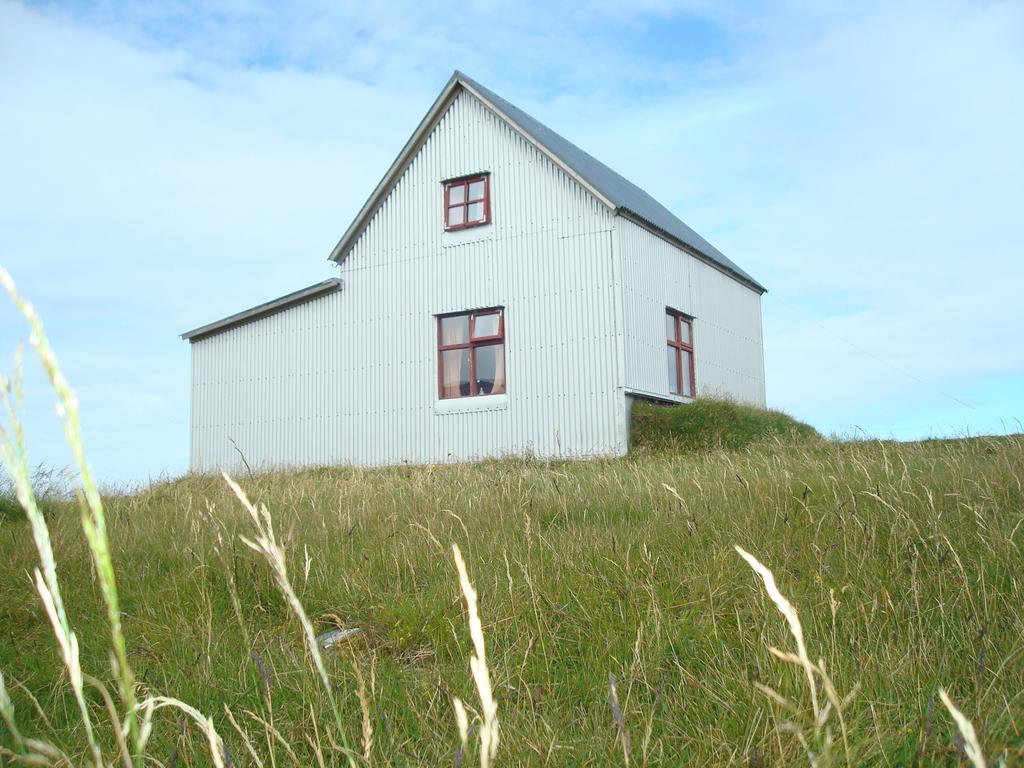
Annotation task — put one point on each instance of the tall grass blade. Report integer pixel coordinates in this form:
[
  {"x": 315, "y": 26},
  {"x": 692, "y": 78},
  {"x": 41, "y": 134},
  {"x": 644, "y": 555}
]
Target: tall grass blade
[
  {"x": 14, "y": 457},
  {"x": 93, "y": 517}
]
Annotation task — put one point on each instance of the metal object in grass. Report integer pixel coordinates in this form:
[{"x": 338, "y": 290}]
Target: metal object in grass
[{"x": 331, "y": 638}]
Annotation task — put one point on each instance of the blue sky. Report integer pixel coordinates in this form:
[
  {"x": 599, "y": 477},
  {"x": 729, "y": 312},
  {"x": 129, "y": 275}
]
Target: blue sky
[{"x": 163, "y": 164}]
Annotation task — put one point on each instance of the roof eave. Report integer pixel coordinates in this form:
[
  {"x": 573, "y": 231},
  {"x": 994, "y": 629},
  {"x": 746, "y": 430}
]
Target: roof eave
[
  {"x": 395, "y": 171},
  {"x": 271, "y": 307}
]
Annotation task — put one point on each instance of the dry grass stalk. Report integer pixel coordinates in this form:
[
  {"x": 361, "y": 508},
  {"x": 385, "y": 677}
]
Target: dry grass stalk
[
  {"x": 149, "y": 707},
  {"x": 314, "y": 740},
  {"x": 244, "y": 736},
  {"x": 7, "y": 714},
  {"x": 266, "y": 544},
  {"x": 118, "y": 731},
  {"x": 478, "y": 666},
  {"x": 274, "y": 736},
  {"x": 37, "y": 753},
  {"x": 822, "y": 749},
  {"x": 462, "y": 722},
  {"x": 364, "y": 708},
  {"x": 619, "y": 718},
  {"x": 792, "y": 619},
  {"x": 837, "y": 705},
  {"x": 971, "y": 745}
]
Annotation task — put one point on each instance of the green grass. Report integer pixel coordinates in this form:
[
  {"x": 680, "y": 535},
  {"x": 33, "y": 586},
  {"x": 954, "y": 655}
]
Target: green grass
[
  {"x": 10, "y": 509},
  {"x": 903, "y": 560},
  {"x": 708, "y": 424},
  {"x": 51, "y": 494},
  {"x": 623, "y": 625}
]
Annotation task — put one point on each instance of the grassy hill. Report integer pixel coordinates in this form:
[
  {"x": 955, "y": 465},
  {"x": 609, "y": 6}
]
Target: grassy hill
[{"x": 903, "y": 561}]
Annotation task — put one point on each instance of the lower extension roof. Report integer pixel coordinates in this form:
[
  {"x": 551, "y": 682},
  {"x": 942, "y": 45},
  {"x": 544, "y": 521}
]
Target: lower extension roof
[{"x": 263, "y": 310}]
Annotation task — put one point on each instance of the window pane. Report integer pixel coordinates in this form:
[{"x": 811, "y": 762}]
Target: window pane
[
  {"x": 455, "y": 373},
  {"x": 455, "y": 215},
  {"x": 476, "y": 190},
  {"x": 454, "y": 330},
  {"x": 684, "y": 332},
  {"x": 486, "y": 325},
  {"x": 670, "y": 326},
  {"x": 456, "y": 194},
  {"x": 476, "y": 212},
  {"x": 673, "y": 377},
  {"x": 490, "y": 369},
  {"x": 687, "y": 380}
]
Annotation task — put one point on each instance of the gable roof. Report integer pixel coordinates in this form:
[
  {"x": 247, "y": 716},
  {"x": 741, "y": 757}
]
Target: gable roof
[{"x": 615, "y": 191}]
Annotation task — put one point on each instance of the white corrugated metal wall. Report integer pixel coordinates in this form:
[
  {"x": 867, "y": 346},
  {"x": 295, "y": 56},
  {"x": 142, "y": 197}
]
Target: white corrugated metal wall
[
  {"x": 352, "y": 377},
  {"x": 269, "y": 386},
  {"x": 729, "y": 357}
]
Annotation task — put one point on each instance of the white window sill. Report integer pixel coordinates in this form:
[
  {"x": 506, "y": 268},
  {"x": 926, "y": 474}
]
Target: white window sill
[{"x": 471, "y": 404}]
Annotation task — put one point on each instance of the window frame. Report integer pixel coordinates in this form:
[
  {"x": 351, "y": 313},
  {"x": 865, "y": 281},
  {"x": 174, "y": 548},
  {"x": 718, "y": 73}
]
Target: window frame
[
  {"x": 680, "y": 346},
  {"x": 466, "y": 181},
  {"x": 472, "y": 343}
]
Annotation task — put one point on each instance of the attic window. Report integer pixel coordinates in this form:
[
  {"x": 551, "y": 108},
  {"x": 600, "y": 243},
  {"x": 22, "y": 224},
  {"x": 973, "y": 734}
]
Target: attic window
[
  {"x": 467, "y": 202},
  {"x": 679, "y": 333}
]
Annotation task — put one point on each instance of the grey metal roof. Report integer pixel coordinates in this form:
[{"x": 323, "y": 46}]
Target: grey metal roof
[
  {"x": 620, "y": 191},
  {"x": 615, "y": 191},
  {"x": 267, "y": 308}
]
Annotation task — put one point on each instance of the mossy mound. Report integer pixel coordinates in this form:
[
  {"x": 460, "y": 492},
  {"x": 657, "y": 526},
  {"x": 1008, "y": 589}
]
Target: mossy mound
[{"x": 708, "y": 424}]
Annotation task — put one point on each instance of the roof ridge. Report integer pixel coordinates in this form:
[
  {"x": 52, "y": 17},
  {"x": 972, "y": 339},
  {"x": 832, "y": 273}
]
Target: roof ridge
[{"x": 614, "y": 186}]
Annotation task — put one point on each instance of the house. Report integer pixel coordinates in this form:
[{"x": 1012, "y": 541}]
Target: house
[{"x": 501, "y": 292}]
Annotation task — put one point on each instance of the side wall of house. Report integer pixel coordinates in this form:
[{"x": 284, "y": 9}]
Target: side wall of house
[
  {"x": 656, "y": 274},
  {"x": 268, "y": 387},
  {"x": 352, "y": 378}
]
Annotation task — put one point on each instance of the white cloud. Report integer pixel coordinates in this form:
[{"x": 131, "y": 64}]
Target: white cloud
[
  {"x": 869, "y": 174},
  {"x": 165, "y": 164}
]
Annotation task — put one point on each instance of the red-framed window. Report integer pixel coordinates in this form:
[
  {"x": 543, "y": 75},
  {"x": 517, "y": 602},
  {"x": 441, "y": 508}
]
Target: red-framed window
[
  {"x": 679, "y": 334},
  {"x": 467, "y": 202},
  {"x": 471, "y": 354}
]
